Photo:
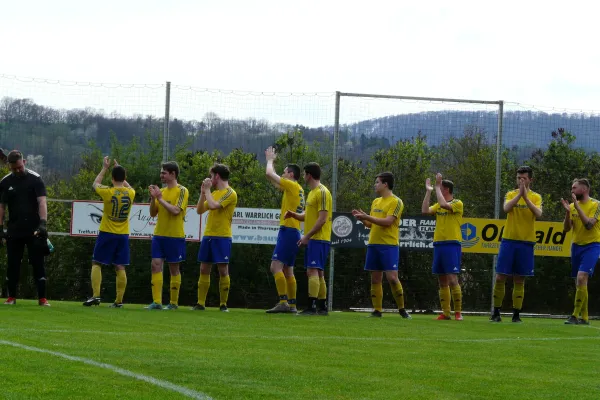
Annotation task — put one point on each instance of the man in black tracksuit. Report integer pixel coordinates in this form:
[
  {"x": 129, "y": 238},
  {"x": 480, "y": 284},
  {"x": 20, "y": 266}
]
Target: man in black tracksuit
[{"x": 23, "y": 195}]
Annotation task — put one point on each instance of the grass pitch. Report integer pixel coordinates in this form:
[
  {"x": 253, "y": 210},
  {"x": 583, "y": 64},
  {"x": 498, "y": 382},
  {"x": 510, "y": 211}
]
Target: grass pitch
[{"x": 72, "y": 352}]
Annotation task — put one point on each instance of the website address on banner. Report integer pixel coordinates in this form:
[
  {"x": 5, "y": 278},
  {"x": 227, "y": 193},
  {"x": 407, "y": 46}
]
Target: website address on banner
[{"x": 254, "y": 238}]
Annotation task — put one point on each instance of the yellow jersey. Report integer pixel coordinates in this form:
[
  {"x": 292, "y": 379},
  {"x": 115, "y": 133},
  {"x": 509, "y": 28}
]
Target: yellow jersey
[
  {"x": 293, "y": 200},
  {"x": 117, "y": 206},
  {"x": 170, "y": 225},
  {"x": 448, "y": 222},
  {"x": 520, "y": 221},
  {"x": 582, "y": 236},
  {"x": 319, "y": 199},
  {"x": 218, "y": 222},
  {"x": 381, "y": 208}
]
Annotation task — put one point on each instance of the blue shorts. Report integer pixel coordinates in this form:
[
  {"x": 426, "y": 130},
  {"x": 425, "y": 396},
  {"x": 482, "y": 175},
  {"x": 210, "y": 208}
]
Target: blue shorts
[
  {"x": 170, "y": 249},
  {"x": 316, "y": 253},
  {"x": 286, "y": 248},
  {"x": 215, "y": 250},
  {"x": 515, "y": 258},
  {"x": 382, "y": 257},
  {"x": 111, "y": 248},
  {"x": 584, "y": 258},
  {"x": 446, "y": 258}
]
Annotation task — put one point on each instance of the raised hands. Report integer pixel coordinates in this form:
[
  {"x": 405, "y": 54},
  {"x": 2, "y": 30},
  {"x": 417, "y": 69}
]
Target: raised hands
[
  {"x": 428, "y": 186},
  {"x": 270, "y": 154}
]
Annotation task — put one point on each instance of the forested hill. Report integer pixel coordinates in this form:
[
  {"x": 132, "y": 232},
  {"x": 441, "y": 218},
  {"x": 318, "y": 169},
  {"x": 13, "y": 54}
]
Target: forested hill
[{"x": 61, "y": 136}]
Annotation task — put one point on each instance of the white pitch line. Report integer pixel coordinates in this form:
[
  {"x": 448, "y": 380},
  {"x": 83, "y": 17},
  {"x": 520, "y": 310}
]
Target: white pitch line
[
  {"x": 309, "y": 338},
  {"x": 157, "y": 382}
]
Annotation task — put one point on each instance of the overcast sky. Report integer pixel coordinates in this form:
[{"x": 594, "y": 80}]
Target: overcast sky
[{"x": 542, "y": 53}]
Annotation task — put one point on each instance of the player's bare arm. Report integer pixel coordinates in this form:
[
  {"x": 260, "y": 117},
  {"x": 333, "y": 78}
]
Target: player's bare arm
[
  {"x": 296, "y": 216},
  {"x": 200, "y": 209},
  {"x": 425, "y": 209},
  {"x": 153, "y": 205},
  {"x": 361, "y": 216},
  {"x": 43, "y": 207},
  {"x": 510, "y": 204},
  {"x": 567, "y": 222},
  {"x": 212, "y": 203},
  {"x": 323, "y": 215},
  {"x": 172, "y": 209},
  {"x": 585, "y": 220},
  {"x": 537, "y": 211},
  {"x": 100, "y": 176},
  {"x": 272, "y": 176}
]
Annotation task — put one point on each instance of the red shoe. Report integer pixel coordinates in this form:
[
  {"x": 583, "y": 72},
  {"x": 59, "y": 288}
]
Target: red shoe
[
  {"x": 443, "y": 317},
  {"x": 44, "y": 302},
  {"x": 11, "y": 301},
  {"x": 458, "y": 316}
]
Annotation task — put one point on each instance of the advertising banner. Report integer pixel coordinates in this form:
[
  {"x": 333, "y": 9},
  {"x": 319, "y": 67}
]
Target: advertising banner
[{"x": 86, "y": 217}]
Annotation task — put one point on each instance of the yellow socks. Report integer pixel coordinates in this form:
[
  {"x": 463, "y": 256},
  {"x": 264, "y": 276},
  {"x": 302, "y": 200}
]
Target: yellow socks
[
  {"x": 398, "y": 293},
  {"x": 584, "y": 308},
  {"x": 291, "y": 290},
  {"x": 157, "y": 284},
  {"x": 121, "y": 284},
  {"x": 96, "y": 279},
  {"x": 580, "y": 297},
  {"x": 313, "y": 287},
  {"x": 457, "y": 298},
  {"x": 203, "y": 285},
  {"x": 518, "y": 294},
  {"x": 445, "y": 300},
  {"x": 322, "y": 289},
  {"x": 377, "y": 296},
  {"x": 499, "y": 290},
  {"x": 281, "y": 285},
  {"x": 175, "y": 286},
  {"x": 224, "y": 284}
]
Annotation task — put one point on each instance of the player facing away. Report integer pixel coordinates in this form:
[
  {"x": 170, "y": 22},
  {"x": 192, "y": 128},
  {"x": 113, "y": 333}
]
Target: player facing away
[
  {"x": 515, "y": 258},
  {"x": 168, "y": 242},
  {"x": 447, "y": 237},
  {"x": 582, "y": 216},
  {"x": 112, "y": 244},
  {"x": 215, "y": 247},
  {"x": 286, "y": 249},
  {"x": 316, "y": 238},
  {"x": 383, "y": 253}
]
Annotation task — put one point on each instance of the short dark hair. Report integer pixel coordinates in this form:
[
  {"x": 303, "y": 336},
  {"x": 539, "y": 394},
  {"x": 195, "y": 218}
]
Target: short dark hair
[
  {"x": 582, "y": 181},
  {"x": 525, "y": 170},
  {"x": 14, "y": 156},
  {"x": 295, "y": 169},
  {"x": 313, "y": 169},
  {"x": 171, "y": 166},
  {"x": 387, "y": 177},
  {"x": 222, "y": 170},
  {"x": 118, "y": 173},
  {"x": 448, "y": 184}
]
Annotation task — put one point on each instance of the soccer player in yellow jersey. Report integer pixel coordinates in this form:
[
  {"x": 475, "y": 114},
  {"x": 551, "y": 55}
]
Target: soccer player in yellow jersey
[
  {"x": 582, "y": 216},
  {"x": 515, "y": 258},
  {"x": 447, "y": 237},
  {"x": 216, "y": 242},
  {"x": 317, "y": 238},
  {"x": 112, "y": 244},
  {"x": 383, "y": 253},
  {"x": 286, "y": 249},
  {"x": 168, "y": 242}
]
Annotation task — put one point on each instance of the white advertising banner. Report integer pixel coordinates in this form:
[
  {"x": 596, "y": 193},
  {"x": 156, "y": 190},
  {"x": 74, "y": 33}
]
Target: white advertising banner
[
  {"x": 252, "y": 225},
  {"x": 86, "y": 217}
]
